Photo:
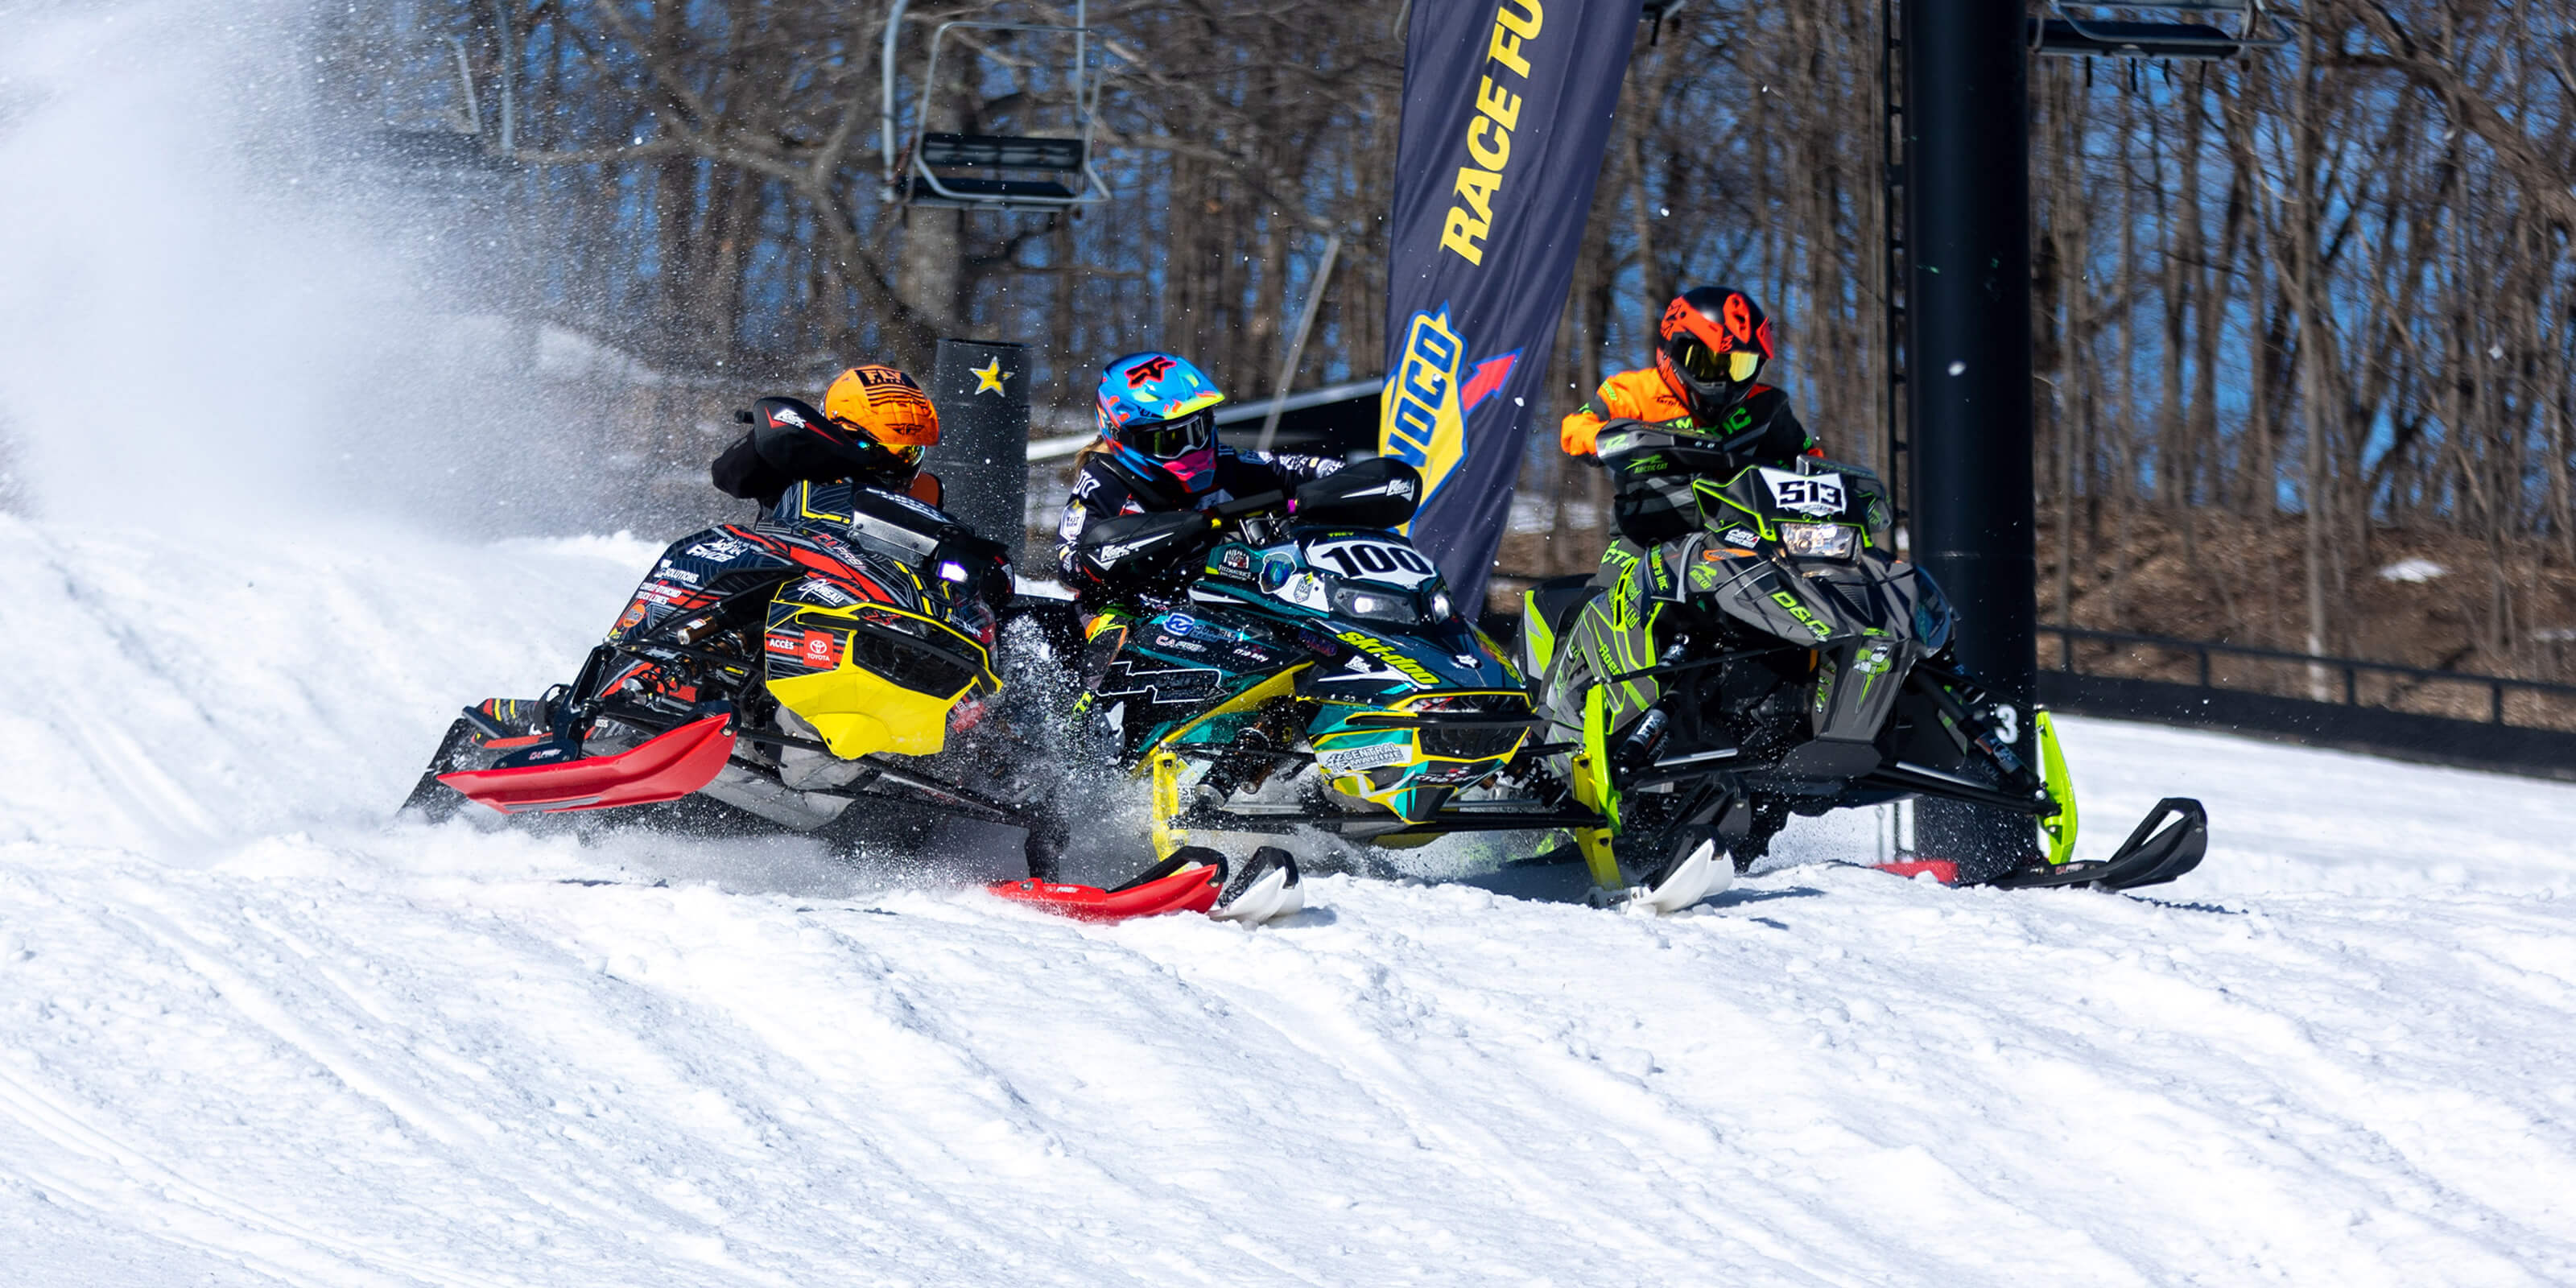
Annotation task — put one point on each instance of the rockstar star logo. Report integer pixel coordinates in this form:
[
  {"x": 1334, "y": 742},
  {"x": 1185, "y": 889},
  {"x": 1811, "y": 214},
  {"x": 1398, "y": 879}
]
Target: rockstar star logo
[{"x": 989, "y": 377}]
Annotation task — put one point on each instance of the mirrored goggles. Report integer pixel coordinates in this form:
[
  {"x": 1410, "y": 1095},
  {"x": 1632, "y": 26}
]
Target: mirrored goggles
[
  {"x": 1700, "y": 362},
  {"x": 1170, "y": 440}
]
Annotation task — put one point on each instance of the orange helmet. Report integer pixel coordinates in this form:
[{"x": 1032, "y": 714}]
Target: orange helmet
[
  {"x": 884, "y": 406},
  {"x": 1713, "y": 343}
]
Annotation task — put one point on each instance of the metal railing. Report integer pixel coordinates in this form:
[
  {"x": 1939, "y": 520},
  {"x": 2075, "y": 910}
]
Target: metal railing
[{"x": 2349, "y": 668}]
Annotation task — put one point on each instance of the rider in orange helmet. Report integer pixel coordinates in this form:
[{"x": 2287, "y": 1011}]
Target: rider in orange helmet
[{"x": 1711, "y": 345}]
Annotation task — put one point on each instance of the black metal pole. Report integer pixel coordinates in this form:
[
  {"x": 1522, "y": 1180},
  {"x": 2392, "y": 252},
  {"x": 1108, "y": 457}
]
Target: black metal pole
[
  {"x": 1967, "y": 171},
  {"x": 982, "y": 392}
]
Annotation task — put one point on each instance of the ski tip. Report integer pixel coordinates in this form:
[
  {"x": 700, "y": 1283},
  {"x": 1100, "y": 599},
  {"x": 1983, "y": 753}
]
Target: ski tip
[
  {"x": 1941, "y": 870},
  {"x": 1187, "y": 886}
]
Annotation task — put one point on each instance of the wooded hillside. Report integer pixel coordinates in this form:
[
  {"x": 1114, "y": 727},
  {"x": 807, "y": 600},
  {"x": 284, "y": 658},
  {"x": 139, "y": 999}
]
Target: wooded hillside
[{"x": 2299, "y": 314}]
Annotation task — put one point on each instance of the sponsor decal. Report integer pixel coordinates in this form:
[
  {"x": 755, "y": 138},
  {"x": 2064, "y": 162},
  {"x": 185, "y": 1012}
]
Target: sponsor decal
[
  {"x": 1742, "y": 537},
  {"x": 828, "y": 593},
  {"x": 820, "y": 650},
  {"x": 722, "y": 549},
  {"x": 1789, "y": 602},
  {"x": 1234, "y": 562},
  {"x": 783, "y": 416},
  {"x": 682, "y": 575},
  {"x": 1176, "y": 642},
  {"x": 633, "y": 615},
  {"x": 1351, "y": 760},
  {"x": 1816, "y": 495}
]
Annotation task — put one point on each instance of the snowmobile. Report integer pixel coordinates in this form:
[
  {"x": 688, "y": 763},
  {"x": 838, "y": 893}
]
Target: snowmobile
[
  {"x": 1776, "y": 657},
  {"x": 1314, "y": 637},
  {"x": 838, "y": 653}
]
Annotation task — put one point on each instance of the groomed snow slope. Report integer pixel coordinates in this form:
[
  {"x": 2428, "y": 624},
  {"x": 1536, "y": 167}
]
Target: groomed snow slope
[{"x": 253, "y": 1033}]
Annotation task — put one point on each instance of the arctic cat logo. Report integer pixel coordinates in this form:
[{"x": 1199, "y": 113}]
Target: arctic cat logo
[{"x": 1391, "y": 655}]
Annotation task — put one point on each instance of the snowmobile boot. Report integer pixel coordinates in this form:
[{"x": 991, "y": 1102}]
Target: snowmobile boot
[{"x": 497, "y": 718}]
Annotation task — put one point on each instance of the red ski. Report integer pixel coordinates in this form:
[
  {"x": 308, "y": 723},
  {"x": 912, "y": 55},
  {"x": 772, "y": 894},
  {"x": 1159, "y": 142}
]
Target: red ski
[{"x": 665, "y": 767}]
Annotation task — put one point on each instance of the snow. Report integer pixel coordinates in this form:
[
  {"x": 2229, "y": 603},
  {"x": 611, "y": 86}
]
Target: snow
[
  {"x": 253, "y": 1032},
  {"x": 2415, "y": 571}
]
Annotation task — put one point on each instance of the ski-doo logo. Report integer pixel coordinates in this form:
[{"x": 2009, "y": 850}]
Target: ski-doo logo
[
  {"x": 1425, "y": 405},
  {"x": 1391, "y": 655}
]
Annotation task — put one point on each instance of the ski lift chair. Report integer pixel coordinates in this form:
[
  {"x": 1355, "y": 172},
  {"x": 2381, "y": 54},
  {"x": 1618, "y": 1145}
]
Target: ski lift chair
[
  {"x": 1001, "y": 171},
  {"x": 2223, "y": 29}
]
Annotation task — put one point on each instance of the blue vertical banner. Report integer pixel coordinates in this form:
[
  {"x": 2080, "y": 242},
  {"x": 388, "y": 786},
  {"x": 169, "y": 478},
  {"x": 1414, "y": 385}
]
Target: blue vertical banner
[{"x": 1507, "y": 107}]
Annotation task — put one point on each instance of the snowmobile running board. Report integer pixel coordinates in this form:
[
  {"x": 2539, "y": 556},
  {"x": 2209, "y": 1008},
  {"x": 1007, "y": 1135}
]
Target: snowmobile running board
[{"x": 665, "y": 767}]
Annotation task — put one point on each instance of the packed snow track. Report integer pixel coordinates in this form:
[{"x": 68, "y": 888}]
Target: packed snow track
[{"x": 252, "y": 1031}]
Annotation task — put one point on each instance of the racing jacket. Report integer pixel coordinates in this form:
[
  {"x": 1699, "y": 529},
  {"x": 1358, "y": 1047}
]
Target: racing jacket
[
  {"x": 1761, "y": 428},
  {"x": 1653, "y": 503},
  {"x": 1104, "y": 489}
]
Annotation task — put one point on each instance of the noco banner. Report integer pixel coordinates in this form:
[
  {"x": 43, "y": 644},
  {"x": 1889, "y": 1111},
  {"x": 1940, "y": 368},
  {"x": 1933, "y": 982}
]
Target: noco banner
[{"x": 1507, "y": 107}]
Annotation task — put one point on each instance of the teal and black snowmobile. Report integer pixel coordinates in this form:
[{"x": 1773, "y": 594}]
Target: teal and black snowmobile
[
  {"x": 1773, "y": 656},
  {"x": 1317, "y": 651}
]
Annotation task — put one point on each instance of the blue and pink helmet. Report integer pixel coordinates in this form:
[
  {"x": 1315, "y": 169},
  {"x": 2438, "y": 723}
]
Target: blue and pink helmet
[{"x": 1157, "y": 414}]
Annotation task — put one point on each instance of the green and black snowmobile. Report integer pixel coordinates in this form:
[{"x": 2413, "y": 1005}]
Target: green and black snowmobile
[{"x": 1770, "y": 655}]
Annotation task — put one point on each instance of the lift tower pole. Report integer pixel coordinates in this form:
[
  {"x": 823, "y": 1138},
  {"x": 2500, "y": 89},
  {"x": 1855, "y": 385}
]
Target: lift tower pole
[{"x": 1968, "y": 369}]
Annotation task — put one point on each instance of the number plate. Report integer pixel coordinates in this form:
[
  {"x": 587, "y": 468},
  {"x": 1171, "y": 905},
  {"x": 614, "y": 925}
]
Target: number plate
[
  {"x": 1374, "y": 559},
  {"x": 1816, "y": 494}
]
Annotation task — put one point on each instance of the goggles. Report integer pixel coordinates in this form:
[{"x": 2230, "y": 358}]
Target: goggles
[
  {"x": 1699, "y": 362},
  {"x": 1170, "y": 440}
]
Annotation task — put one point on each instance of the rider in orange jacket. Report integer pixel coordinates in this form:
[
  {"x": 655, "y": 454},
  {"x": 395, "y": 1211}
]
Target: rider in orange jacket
[{"x": 1711, "y": 346}]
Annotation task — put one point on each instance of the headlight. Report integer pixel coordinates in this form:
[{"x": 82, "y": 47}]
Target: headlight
[
  {"x": 1817, "y": 540},
  {"x": 1376, "y": 605}
]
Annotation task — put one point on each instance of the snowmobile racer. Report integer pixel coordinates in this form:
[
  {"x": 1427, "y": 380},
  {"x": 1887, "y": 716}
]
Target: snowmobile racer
[
  {"x": 837, "y": 649},
  {"x": 1158, "y": 454},
  {"x": 1751, "y": 647},
  {"x": 1250, "y": 616}
]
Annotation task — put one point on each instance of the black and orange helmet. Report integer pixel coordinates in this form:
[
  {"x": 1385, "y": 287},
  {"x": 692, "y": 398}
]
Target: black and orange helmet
[
  {"x": 883, "y": 406},
  {"x": 1713, "y": 342}
]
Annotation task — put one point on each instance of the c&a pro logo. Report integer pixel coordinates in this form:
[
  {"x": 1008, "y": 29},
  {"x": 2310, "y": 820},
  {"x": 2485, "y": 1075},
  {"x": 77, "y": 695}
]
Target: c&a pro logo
[{"x": 1422, "y": 413}]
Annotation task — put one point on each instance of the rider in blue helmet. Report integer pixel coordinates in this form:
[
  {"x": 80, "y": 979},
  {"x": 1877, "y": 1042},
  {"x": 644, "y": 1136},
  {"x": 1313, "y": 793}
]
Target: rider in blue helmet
[{"x": 1157, "y": 453}]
